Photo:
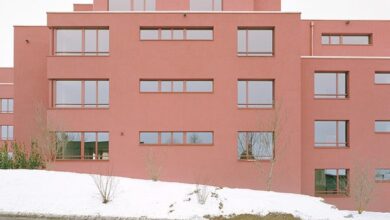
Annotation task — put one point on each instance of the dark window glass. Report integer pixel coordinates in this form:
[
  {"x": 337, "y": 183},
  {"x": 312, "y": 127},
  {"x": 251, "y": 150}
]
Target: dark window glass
[
  {"x": 330, "y": 85},
  {"x": 90, "y": 145},
  {"x": 330, "y": 133},
  {"x": 255, "y": 145},
  {"x": 148, "y": 138},
  {"x": 331, "y": 181},
  {"x": 382, "y": 126},
  {"x": 382, "y": 78},
  {"x": 382, "y": 174},
  {"x": 255, "y": 42},
  {"x": 255, "y": 94},
  {"x": 103, "y": 145},
  {"x": 69, "y": 145},
  {"x": 199, "y": 137}
]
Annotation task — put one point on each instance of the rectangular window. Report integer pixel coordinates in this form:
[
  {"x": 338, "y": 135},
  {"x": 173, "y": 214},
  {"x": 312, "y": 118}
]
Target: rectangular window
[
  {"x": 331, "y": 134},
  {"x": 95, "y": 145},
  {"x": 346, "y": 39},
  {"x": 176, "y": 86},
  {"x": 7, "y": 105},
  {"x": 78, "y": 42},
  {"x": 382, "y": 174},
  {"x": 331, "y": 181},
  {"x": 167, "y": 33},
  {"x": 330, "y": 85},
  {"x": 7, "y": 132},
  {"x": 81, "y": 94},
  {"x": 382, "y": 126},
  {"x": 205, "y": 5},
  {"x": 255, "y": 41},
  {"x": 255, "y": 145},
  {"x": 255, "y": 93},
  {"x": 132, "y": 5},
  {"x": 382, "y": 78},
  {"x": 176, "y": 138}
]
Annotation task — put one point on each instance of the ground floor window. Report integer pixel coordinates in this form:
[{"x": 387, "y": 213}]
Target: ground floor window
[
  {"x": 255, "y": 145},
  {"x": 331, "y": 181},
  {"x": 82, "y": 145}
]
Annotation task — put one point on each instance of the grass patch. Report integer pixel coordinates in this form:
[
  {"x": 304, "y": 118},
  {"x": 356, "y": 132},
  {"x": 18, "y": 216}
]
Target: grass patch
[{"x": 270, "y": 216}]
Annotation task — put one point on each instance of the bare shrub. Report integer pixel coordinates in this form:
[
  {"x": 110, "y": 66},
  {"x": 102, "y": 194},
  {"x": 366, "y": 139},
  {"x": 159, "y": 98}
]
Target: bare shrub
[
  {"x": 106, "y": 186},
  {"x": 362, "y": 186},
  {"x": 202, "y": 193},
  {"x": 152, "y": 166}
]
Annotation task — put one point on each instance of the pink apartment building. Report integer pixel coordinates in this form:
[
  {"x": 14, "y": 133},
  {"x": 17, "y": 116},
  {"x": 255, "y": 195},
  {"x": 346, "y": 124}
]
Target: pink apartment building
[{"x": 208, "y": 91}]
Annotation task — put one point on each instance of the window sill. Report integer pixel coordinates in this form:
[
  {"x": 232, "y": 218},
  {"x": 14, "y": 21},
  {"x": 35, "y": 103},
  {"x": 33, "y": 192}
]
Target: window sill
[
  {"x": 259, "y": 108},
  {"x": 335, "y": 148},
  {"x": 382, "y": 132},
  {"x": 252, "y": 160},
  {"x": 78, "y": 108},
  {"x": 80, "y": 160},
  {"x": 175, "y": 93},
  {"x": 175, "y": 145},
  {"x": 332, "y": 45},
  {"x": 255, "y": 55},
  {"x": 341, "y": 99},
  {"x": 382, "y": 181},
  {"x": 332, "y": 195},
  {"x": 78, "y": 56},
  {"x": 7, "y": 113}
]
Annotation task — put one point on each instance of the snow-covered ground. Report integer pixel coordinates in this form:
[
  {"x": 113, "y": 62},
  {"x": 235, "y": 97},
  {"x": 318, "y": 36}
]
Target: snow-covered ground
[{"x": 60, "y": 193}]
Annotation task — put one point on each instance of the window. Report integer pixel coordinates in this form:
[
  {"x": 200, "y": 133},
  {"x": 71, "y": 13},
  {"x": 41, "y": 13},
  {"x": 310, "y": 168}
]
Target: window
[
  {"x": 255, "y": 145},
  {"x": 7, "y": 105},
  {"x": 255, "y": 42},
  {"x": 7, "y": 132},
  {"x": 330, "y": 85},
  {"x": 255, "y": 93},
  {"x": 331, "y": 181},
  {"x": 331, "y": 134},
  {"x": 178, "y": 86},
  {"x": 76, "y": 42},
  {"x": 167, "y": 33},
  {"x": 81, "y": 94},
  {"x": 382, "y": 126},
  {"x": 132, "y": 5},
  {"x": 382, "y": 78},
  {"x": 340, "y": 39},
  {"x": 205, "y": 5},
  {"x": 176, "y": 138},
  {"x": 382, "y": 174},
  {"x": 95, "y": 145}
]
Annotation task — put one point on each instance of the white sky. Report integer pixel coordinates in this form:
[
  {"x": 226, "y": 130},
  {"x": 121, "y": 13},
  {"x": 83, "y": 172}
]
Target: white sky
[{"x": 33, "y": 12}]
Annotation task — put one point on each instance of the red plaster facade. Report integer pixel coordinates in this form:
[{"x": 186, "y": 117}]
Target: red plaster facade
[{"x": 297, "y": 54}]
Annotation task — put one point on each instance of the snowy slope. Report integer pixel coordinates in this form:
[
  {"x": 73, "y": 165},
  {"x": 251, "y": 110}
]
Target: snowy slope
[{"x": 59, "y": 193}]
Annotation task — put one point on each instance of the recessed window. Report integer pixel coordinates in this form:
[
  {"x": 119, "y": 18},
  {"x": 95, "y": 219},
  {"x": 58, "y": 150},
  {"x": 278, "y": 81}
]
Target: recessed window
[
  {"x": 95, "y": 145},
  {"x": 81, "y": 94},
  {"x": 340, "y": 39},
  {"x": 132, "y": 5},
  {"x": 382, "y": 174},
  {"x": 176, "y": 138},
  {"x": 255, "y": 145},
  {"x": 331, "y": 134},
  {"x": 255, "y": 93},
  {"x": 331, "y": 181},
  {"x": 176, "y": 86},
  {"x": 167, "y": 33},
  {"x": 205, "y": 5},
  {"x": 382, "y": 78},
  {"x": 7, "y": 132},
  {"x": 77, "y": 42},
  {"x": 382, "y": 126},
  {"x": 330, "y": 85},
  {"x": 7, "y": 105},
  {"x": 255, "y": 42}
]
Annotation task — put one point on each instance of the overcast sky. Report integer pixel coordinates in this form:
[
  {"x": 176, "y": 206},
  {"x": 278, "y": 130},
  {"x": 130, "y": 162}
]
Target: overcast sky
[{"x": 33, "y": 12}]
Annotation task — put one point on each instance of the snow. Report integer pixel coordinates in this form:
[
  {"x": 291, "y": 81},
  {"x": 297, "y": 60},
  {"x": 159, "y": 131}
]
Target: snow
[{"x": 61, "y": 193}]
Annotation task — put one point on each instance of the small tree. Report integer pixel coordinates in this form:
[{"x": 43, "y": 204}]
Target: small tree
[
  {"x": 362, "y": 186},
  {"x": 152, "y": 166},
  {"x": 106, "y": 185}
]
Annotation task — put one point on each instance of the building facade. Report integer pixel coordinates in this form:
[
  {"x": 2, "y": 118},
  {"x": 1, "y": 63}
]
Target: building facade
[{"x": 207, "y": 91}]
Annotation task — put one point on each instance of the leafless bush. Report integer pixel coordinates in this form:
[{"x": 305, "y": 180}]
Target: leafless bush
[
  {"x": 362, "y": 187},
  {"x": 153, "y": 169},
  {"x": 202, "y": 193},
  {"x": 106, "y": 186}
]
